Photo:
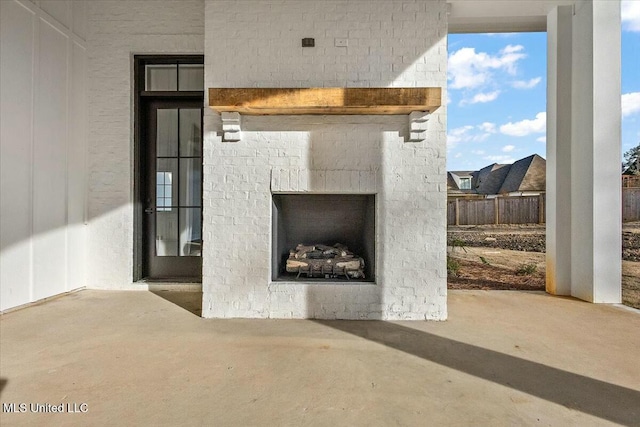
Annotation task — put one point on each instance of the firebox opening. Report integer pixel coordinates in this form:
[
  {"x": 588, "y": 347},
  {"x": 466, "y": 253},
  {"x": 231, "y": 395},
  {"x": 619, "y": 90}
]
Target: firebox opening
[{"x": 323, "y": 220}]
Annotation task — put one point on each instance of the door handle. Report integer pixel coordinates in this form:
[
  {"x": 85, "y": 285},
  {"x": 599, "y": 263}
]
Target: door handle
[{"x": 148, "y": 211}]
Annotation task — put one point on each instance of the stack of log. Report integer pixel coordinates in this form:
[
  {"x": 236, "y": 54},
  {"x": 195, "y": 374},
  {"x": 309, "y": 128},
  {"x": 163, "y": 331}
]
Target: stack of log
[{"x": 325, "y": 261}]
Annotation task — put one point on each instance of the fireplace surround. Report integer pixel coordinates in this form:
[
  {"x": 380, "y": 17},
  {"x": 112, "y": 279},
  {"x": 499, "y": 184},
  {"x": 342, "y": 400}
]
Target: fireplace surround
[{"x": 297, "y": 130}]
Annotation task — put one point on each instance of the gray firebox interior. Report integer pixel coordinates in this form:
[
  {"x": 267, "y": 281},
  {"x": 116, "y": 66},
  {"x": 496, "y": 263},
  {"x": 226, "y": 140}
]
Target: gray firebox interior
[{"x": 323, "y": 218}]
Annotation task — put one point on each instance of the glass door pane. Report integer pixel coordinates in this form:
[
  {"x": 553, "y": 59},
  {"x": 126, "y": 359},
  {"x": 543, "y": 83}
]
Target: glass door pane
[
  {"x": 167, "y": 233},
  {"x": 167, "y": 133},
  {"x": 190, "y": 182},
  {"x": 178, "y": 185},
  {"x": 190, "y": 132},
  {"x": 190, "y": 231},
  {"x": 166, "y": 184}
]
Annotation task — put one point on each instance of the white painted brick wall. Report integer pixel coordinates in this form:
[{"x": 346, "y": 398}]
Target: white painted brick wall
[
  {"x": 258, "y": 44},
  {"x": 116, "y": 31}
]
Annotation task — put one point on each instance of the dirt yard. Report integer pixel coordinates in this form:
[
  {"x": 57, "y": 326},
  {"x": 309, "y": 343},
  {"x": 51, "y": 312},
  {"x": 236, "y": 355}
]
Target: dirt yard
[{"x": 512, "y": 258}]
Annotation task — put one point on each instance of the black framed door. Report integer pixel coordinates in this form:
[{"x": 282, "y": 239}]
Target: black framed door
[
  {"x": 172, "y": 189},
  {"x": 169, "y": 98}
]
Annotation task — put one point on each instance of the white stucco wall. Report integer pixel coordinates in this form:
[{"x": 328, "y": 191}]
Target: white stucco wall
[
  {"x": 43, "y": 148},
  {"x": 258, "y": 44},
  {"x": 116, "y": 31}
]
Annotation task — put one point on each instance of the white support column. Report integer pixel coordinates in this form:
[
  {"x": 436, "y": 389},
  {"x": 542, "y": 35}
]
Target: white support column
[
  {"x": 596, "y": 220},
  {"x": 558, "y": 206}
]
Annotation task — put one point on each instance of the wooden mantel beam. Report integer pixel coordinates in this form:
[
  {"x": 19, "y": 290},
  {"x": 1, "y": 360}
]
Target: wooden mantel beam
[{"x": 271, "y": 101}]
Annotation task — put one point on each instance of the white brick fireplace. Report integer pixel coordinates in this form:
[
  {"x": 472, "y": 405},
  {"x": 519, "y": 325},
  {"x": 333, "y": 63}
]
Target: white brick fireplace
[{"x": 390, "y": 44}]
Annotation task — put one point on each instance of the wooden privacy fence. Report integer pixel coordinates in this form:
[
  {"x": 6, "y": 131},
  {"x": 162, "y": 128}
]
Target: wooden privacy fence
[
  {"x": 630, "y": 204},
  {"x": 522, "y": 210},
  {"x": 499, "y": 210}
]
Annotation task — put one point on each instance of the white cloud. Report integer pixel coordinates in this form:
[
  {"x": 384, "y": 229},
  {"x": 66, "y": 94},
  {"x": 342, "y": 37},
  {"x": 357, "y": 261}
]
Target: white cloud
[
  {"x": 478, "y": 152},
  {"x": 630, "y": 103},
  {"x": 510, "y": 56},
  {"x": 488, "y": 127},
  {"x": 501, "y": 34},
  {"x": 542, "y": 139},
  {"x": 469, "y": 133},
  {"x": 500, "y": 159},
  {"x": 630, "y": 13},
  {"x": 469, "y": 69},
  {"x": 508, "y": 148},
  {"x": 526, "y": 127},
  {"x": 481, "y": 98},
  {"x": 512, "y": 48},
  {"x": 524, "y": 84},
  {"x": 457, "y": 135}
]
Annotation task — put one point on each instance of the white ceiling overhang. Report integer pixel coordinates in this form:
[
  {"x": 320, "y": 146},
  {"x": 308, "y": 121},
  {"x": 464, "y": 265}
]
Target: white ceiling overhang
[{"x": 499, "y": 16}]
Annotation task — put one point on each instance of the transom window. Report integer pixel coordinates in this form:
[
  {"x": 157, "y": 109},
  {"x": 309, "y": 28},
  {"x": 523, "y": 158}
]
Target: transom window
[{"x": 174, "y": 77}]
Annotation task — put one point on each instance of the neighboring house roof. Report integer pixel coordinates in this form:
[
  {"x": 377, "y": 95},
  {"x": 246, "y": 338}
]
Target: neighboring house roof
[
  {"x": 527, "y": 174},
  {"x": 489, "y": 179}
]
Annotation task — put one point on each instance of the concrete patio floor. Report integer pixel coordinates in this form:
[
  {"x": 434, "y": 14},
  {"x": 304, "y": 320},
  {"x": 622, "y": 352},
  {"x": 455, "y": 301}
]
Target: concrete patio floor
[{"x": 142, "y": 358}]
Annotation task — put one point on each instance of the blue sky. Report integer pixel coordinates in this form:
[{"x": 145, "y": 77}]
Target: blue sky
[{"x": 497, "y": 94}]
